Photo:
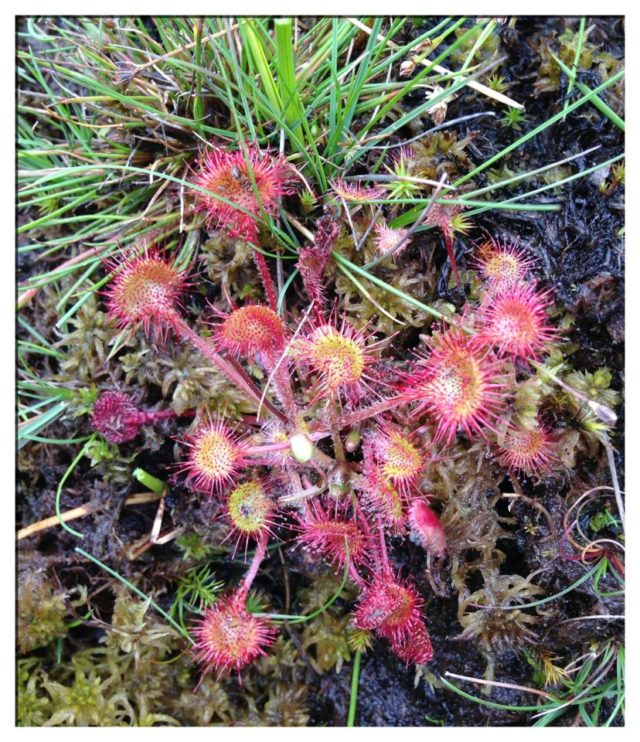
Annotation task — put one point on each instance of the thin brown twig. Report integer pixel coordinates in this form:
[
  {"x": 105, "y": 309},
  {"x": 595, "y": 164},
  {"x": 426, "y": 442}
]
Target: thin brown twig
[{"x": 80, "y": 512}]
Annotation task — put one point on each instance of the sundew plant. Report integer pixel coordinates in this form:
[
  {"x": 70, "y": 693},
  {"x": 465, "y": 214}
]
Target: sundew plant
[{"x": 320, "y": 355}]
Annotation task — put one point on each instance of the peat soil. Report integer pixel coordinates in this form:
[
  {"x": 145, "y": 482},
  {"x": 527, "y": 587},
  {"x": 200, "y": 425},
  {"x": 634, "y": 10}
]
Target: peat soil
[{"x": 580, "y": 259}]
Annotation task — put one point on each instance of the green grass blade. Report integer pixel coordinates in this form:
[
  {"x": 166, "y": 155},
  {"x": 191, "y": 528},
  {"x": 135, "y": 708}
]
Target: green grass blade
[{"x": 586, "y": 90}]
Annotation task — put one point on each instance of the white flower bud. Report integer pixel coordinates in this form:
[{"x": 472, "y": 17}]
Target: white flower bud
[
  {"x": 407, "y": 67},
  {"x": 301, "y": 448}
]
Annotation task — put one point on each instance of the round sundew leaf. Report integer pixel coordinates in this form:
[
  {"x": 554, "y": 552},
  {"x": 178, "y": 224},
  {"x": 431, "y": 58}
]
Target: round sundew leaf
[
  {"x": 229, "y": 637},
  {"x": 250, "y": 330}
]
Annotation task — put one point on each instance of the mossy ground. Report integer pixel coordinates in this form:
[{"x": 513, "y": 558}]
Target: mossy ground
[{"x": 91, "y": 653}]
